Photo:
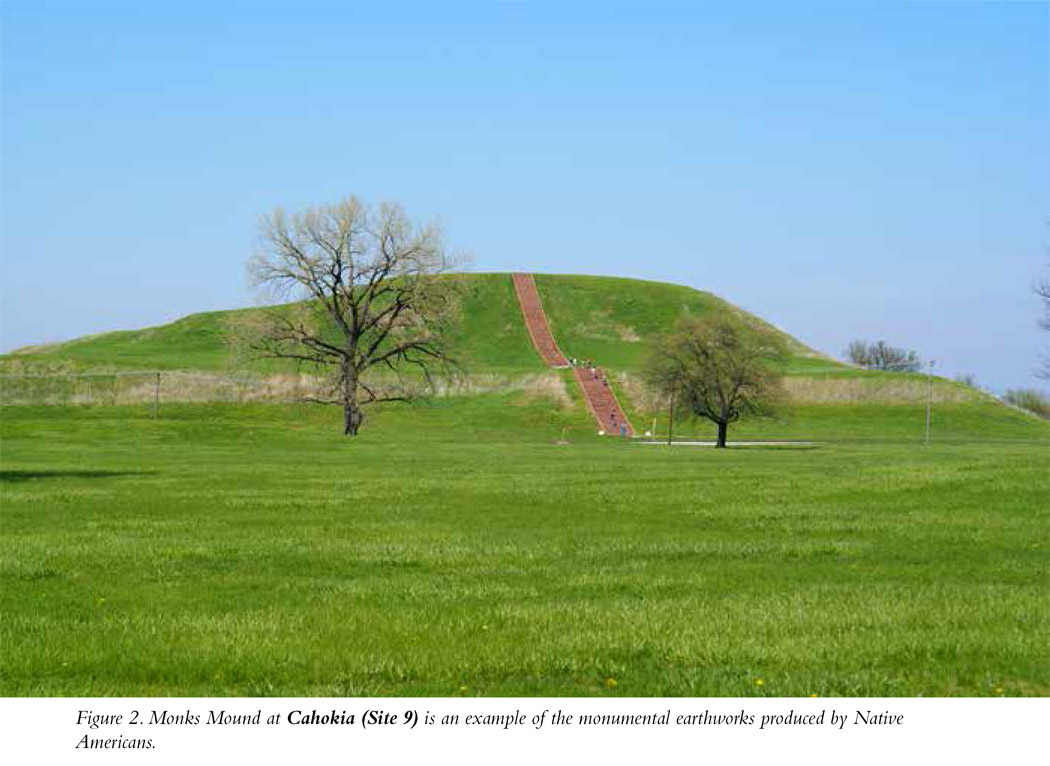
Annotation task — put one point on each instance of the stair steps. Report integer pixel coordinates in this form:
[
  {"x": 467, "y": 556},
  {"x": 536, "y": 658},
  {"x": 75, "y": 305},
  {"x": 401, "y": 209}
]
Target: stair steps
[
  {"x": 536, "y": 321},
  {"x": 601, "y": 400}
]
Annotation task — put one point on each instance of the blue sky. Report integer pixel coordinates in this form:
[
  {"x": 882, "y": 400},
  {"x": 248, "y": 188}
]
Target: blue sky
[{"x": 845, "y": 170}]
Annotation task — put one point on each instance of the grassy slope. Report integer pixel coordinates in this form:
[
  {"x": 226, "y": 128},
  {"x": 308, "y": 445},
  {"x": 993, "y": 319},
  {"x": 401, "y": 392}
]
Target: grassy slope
[
  {"x": 604, "y": 318},
  {"x": 492, "y": 338},
  {"x": 453, "y": 550},
  {"x": 609, "y": 319},
  {"x": 194, "y": 342},
  {"x": 586, "y": 314}
]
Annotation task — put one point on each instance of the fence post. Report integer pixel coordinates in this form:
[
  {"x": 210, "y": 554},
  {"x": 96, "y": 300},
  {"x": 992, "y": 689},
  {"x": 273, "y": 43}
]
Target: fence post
[{"x": 156, "y": 397}]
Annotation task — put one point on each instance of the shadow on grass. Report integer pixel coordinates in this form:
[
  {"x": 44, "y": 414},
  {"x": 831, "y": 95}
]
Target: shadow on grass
[{"x": 68, "y": 474}]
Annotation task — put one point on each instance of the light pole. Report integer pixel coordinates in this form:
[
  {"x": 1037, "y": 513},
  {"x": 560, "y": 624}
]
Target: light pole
[
  {"x": 670, "y": 419},
  {"x": 929, "y": 399}
]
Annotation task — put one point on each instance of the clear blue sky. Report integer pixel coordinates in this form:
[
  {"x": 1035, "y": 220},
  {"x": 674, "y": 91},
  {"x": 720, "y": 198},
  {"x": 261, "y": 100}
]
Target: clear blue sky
[{"x": 844, "y": 170}]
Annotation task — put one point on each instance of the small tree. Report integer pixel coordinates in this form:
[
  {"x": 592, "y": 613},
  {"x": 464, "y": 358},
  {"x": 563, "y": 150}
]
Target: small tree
[
  {"x": 373, "y": 302},
  {"x": 882, "y": 356},
  {"x": 719, "y": 367},
  {"x": 858, "y": 353}
]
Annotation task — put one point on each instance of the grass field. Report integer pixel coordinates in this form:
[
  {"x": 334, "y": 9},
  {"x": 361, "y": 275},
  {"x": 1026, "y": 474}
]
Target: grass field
[{"x": 453, "y": 549}]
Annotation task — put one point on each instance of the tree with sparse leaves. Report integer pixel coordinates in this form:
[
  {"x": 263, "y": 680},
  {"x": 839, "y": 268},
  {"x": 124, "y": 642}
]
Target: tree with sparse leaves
[
  {"x": 718, "y": 367},
  {"x": 880, "y": 355},
  {"x": 373, "y": 313},
  {"x": 1030, "y": 399}
]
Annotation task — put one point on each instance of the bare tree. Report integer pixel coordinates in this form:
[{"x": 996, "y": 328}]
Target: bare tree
[
  {"x": 374, "y": 313},
  {"x": 858, "y": 353},
  {"x": 719, "y": 367},
  {"x": 1031, "y": 399},
  {"x": 880, "y": 355}
]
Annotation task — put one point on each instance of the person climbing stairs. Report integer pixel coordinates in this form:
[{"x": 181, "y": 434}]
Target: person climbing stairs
[{"x": 593, "y": 381}]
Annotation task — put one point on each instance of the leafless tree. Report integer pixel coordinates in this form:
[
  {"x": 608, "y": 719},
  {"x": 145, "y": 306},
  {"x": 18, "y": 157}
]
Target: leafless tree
[
  {"x": 719, "y": 367},
  {"x": 880, "y": 355},
  {"x": 1031, "y": 399},
  {"x": 373, "y": 311}
]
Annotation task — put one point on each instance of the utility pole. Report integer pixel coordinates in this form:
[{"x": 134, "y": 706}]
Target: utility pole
[
  {"x": 670, "y": 418},
  {"x": 929, "y": 400}
]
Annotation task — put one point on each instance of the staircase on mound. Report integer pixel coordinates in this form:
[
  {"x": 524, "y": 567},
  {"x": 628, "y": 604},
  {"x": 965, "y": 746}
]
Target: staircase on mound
[
  {"x": 601, "y": 400},
  {"x": 536, "y": 321}
]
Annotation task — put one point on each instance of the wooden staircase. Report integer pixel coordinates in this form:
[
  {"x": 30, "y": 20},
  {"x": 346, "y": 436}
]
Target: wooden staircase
[{"x": 601, "y": 400}]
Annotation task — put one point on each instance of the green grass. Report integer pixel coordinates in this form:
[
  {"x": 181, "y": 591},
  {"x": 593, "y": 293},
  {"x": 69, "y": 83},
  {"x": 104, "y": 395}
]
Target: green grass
[
  {"x": 611, "y": 320},
  {"x": 591, "y": 316},
  {"x": 193, "y": 342},
  {"x": 491, "y": 336},
  {"x": 983, "y": 421},
  {"x": 453, "y": 549}
]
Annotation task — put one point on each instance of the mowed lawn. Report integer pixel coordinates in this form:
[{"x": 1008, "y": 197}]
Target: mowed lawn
[{"x": 253, "y": 550}]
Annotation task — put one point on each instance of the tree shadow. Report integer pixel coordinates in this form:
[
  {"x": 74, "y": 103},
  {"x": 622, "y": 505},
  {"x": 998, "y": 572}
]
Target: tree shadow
[{"x": 67, "y": 474}]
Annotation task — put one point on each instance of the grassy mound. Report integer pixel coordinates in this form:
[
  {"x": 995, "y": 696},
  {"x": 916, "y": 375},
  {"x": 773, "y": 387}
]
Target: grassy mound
[
  {"x": 490, "y": 338},
  {"x": 610, "y": 320},
  {"x": 605, "y": 318}
]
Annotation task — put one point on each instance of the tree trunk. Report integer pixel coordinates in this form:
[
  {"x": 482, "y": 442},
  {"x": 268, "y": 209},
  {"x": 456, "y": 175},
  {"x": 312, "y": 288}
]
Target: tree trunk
[
  {"x": 352, "y": 418},
  {"x": 722, "y": 428},
  {"x": 352, "y": 414}
]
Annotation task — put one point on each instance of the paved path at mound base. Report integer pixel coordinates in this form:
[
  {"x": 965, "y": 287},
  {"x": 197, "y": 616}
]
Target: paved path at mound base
[
  {"x": 536, "y": 321},
  {"x": 659, "y": 443},
  {"x": 596, "y": 390}
]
